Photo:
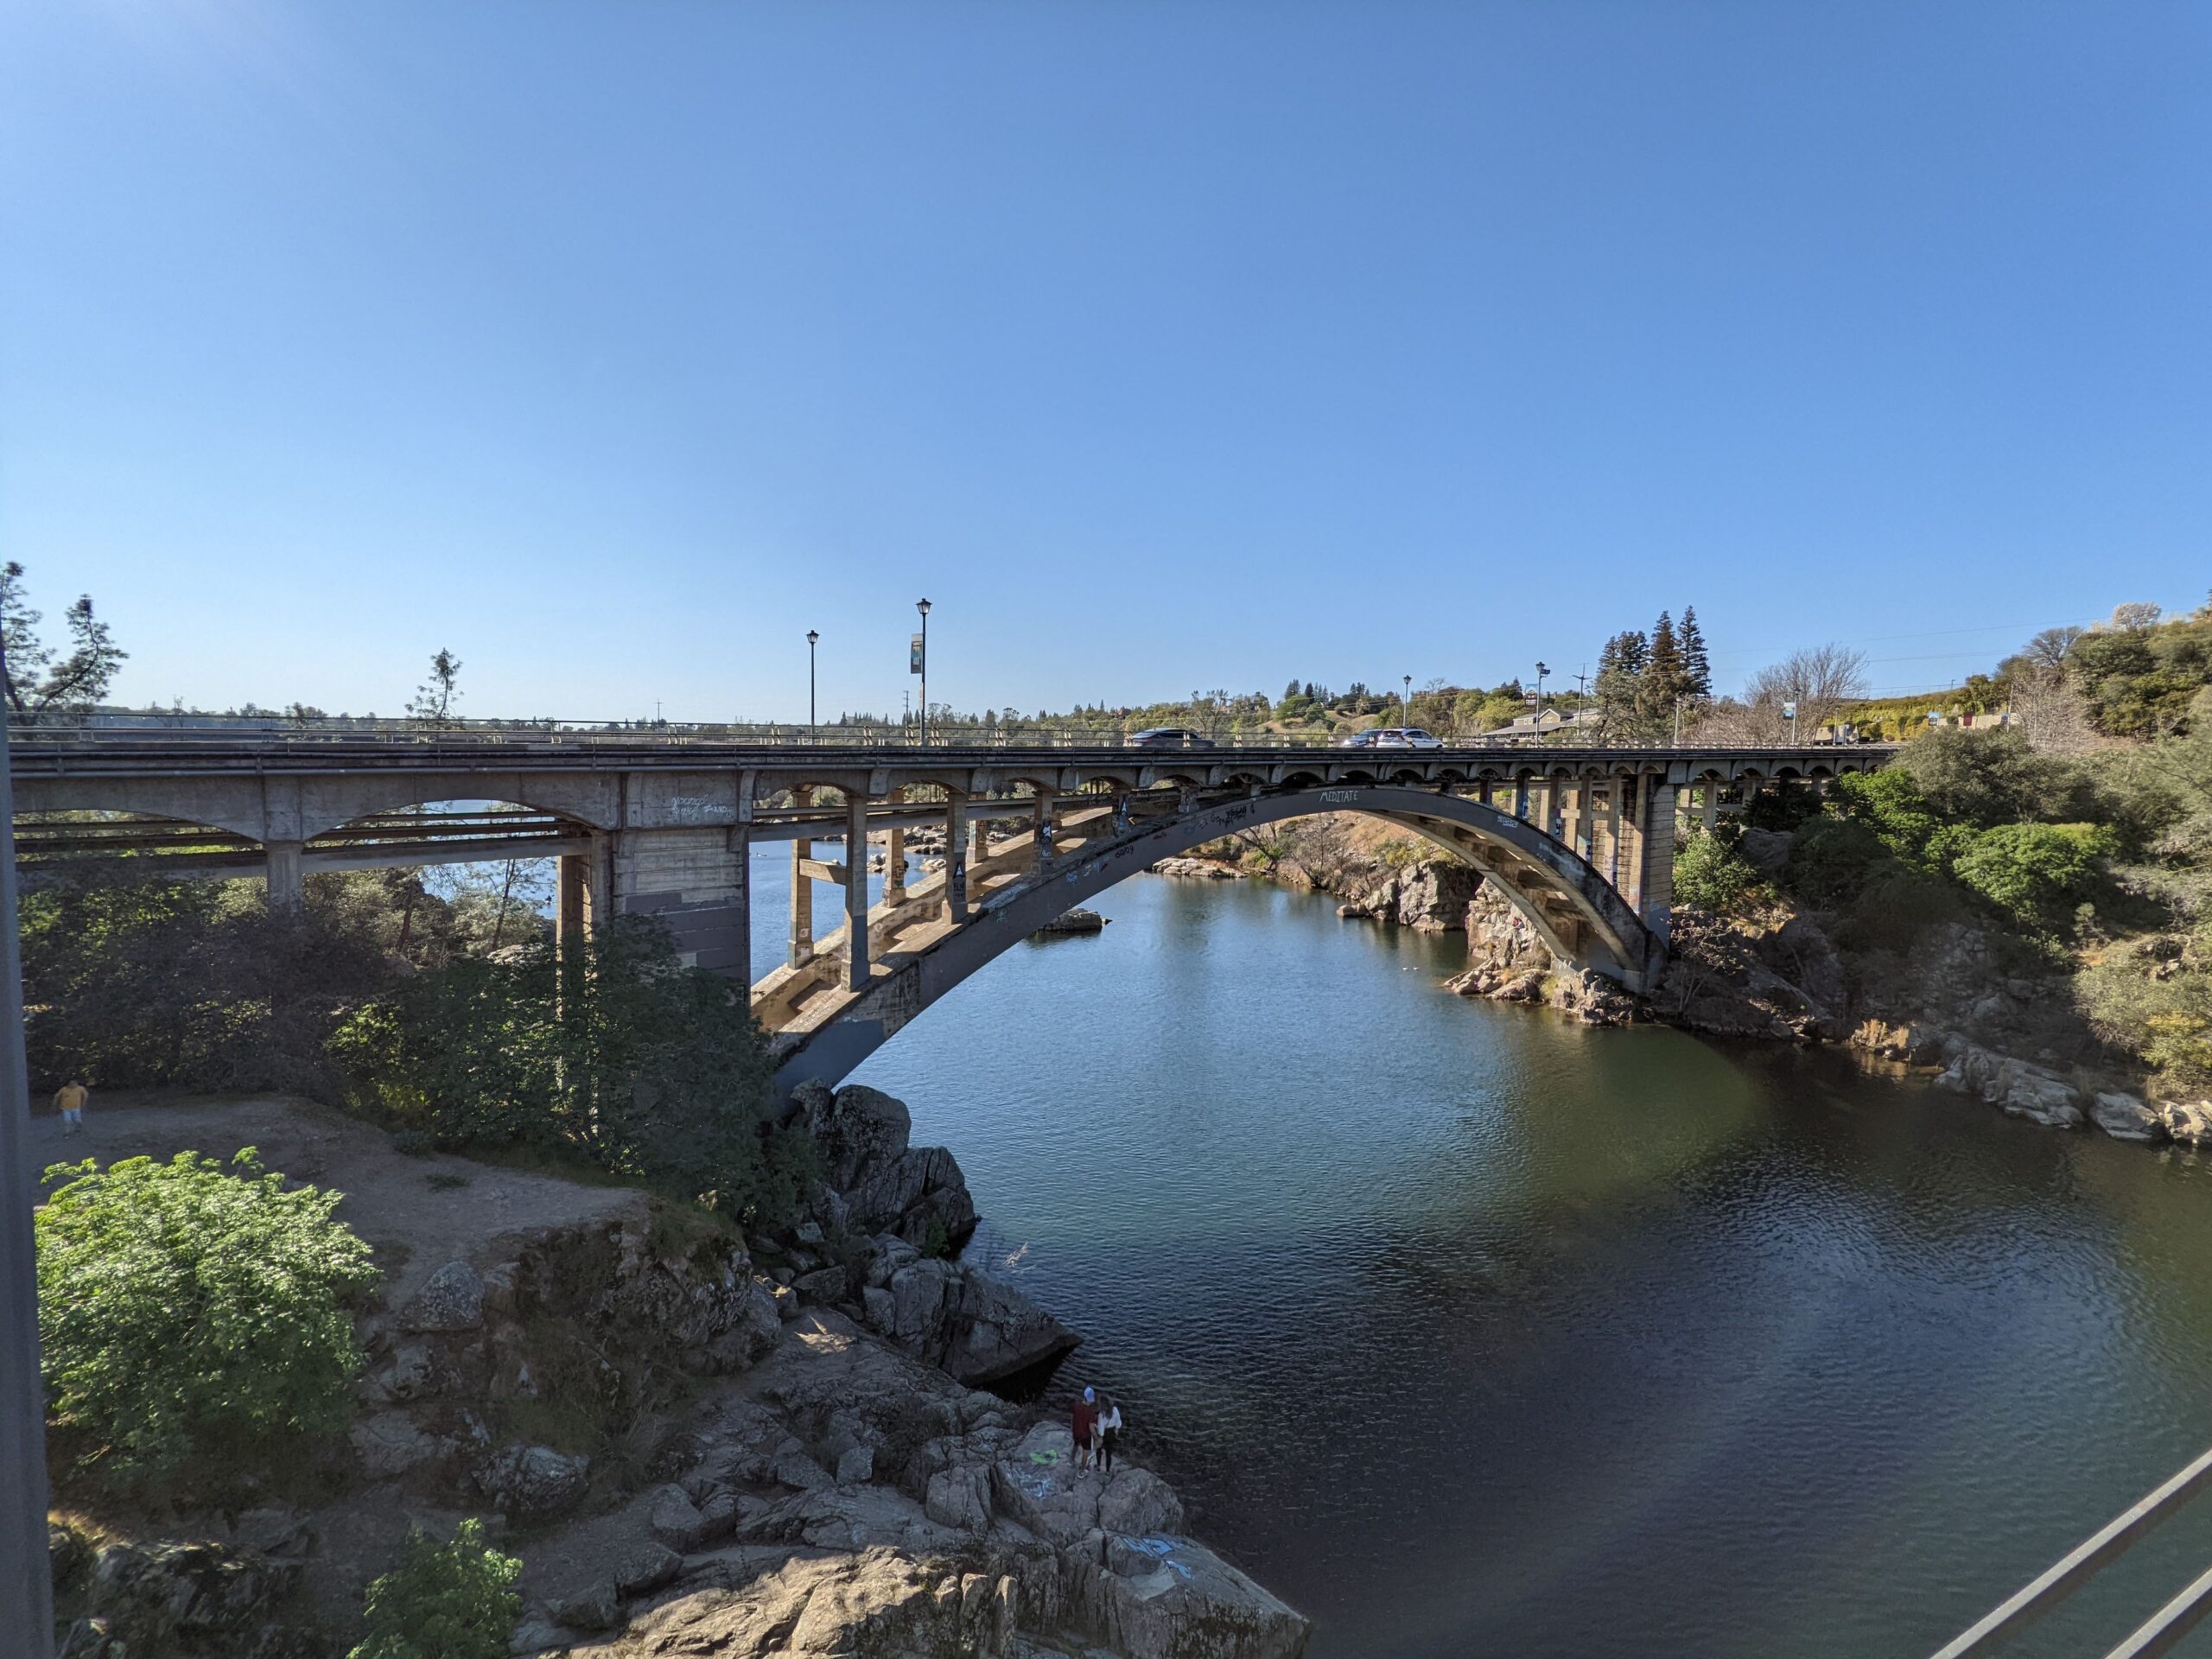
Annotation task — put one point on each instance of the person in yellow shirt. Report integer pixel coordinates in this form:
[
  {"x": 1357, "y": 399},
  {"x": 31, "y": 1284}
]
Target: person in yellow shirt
[{"x": 71, "y": 1098}]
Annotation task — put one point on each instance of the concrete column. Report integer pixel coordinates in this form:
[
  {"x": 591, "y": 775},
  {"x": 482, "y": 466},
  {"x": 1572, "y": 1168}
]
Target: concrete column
[
  {"x": 956, "y": 859},
  {"x": 1040, "y": 825},
  {"x": 1630, "y": 878},
  {"x": 1656, "y": 896},
  {"x": 285, "y": 894},
  {"x": 801, "y": 928},
  {"x": 894, "y": 865},
  {"x": 573, "y": 878},
  {"x": 741, "y": 904},
  {"x": 1578, "y": 812},
  {"x": 1482, "y": 790},
  {"x": 1711, "y": 791},
  {"x": 1521, "y": 799},
  {"x": 855, "y": 891}
]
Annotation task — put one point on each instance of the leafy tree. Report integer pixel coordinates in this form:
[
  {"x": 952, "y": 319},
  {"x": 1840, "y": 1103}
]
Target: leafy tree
[
  {"x": 194, "y": 1322},
  {"x": 606, "y": 1048},
  {"x": 38, "y": 682},
  {"x": 443, "y": 1601},
  {"x": 135, "y": 981},
  {"x": 1990, "y": 778},
  {"x": 433, "y": 702},
  {"x": 2049, "y": 649}
]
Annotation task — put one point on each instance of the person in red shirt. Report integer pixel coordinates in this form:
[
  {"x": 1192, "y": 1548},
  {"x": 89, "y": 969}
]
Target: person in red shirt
[{"x": 1086, "y": 1426}]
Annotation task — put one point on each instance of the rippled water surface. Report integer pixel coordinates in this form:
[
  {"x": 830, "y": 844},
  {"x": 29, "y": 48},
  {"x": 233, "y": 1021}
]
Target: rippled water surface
[{"x": 1475, "y": 1333}]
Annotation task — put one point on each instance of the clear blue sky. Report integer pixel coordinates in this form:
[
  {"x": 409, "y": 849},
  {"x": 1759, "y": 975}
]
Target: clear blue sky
[{"x": 1162, "y": 346}]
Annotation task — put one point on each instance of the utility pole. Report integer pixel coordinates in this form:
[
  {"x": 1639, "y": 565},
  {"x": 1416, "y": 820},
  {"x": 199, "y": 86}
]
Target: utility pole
[
  {"x": 921, "y": 666},
  {"x": 26, "y": 1573},
  {"x": 813, "y": 639}
]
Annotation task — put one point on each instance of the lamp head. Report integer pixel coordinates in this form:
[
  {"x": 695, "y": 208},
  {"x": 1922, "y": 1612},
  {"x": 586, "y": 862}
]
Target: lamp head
[
  {"x": 811, "y": 636},
  {"x": 923, "y": 606}
]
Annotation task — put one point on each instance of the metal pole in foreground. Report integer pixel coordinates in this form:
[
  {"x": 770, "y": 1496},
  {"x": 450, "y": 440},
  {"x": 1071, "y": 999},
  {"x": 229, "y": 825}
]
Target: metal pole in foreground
[
  {"x": 26, "y": 1581},
  {"x": 811, "y": 637}
]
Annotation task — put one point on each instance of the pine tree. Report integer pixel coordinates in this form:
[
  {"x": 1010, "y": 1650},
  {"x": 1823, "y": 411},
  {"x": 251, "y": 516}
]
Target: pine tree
[
  {"x": 1697, "y": 668},
  {"x": 1620, "y": 677},
  {"x": 1661, "y": 683}
]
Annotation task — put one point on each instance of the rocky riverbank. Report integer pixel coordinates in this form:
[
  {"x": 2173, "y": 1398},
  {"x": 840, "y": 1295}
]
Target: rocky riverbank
[
  {"x": 1949, "y": 1010},
  {"x": 696, "y": 1443}
]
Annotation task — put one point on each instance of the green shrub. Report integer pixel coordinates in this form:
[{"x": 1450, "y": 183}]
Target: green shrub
[
  {"x": 1713, "y": 876},
  {"x": 444, "y": 1601},
  {"x": 194, "y": 1321},
  {"x": 2156, "y": 1010},
  {"x": 1833, "y": 861},
  {"x": 2030, "y": 870}
]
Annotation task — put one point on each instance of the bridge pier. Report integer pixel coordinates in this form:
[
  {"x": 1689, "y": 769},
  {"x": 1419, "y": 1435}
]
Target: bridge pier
[
  {"x": 695, "y": 880},
  {"x": 956, "y": 858},
  {"x": 855, "y": 891},
  {"x": 1040, "y": 830},
  {"x": 571, "y": 881},
  {"x": 800, "y": 941},
  {"x": 286, "y": 892}
]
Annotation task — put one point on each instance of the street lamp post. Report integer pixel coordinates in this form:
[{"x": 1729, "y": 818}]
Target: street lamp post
[
  {"x": 813, "y": 639},
  {"x": 1542, "y": 671},
  {"x": 921, "y": 668},
  {"x": 1405, "y": 705}
]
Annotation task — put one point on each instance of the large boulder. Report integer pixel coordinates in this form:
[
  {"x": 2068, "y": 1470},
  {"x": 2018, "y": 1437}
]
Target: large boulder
[
  {"x": 967, "y": 1321},
  {"x": 2189, "y": 1121},
  {"x": 452, "y": 1299},
  {"x": 2028, "y": 1092},
  {"x": 2126, "y": 1118},
  {"x": 880, "y": 1183},
  {"x": 532, "y": 1482},
  {"x": 882, "y": 1601},
  {"x": 189, "y": 1599}
]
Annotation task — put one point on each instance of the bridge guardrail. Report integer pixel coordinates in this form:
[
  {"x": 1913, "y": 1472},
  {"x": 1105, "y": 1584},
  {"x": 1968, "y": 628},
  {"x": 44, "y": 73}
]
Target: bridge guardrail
[{"x": 189, "y": 732}]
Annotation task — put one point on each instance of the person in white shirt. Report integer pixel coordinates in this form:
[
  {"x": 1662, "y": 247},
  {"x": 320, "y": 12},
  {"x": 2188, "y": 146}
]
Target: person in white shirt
[{"x": 1110, "y": 1431}]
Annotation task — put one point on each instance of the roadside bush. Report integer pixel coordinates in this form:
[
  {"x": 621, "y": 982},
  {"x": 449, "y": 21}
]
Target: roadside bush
[
  {"x": 443, "y": 1601},
  {"x": 608, "y": 1050},
  {"x": 2031, "y": 871},
  {"x": 2158, "y": 1009},
  {"x": 195, "y": 1321},
  {"x": 1716, "y": 878}
]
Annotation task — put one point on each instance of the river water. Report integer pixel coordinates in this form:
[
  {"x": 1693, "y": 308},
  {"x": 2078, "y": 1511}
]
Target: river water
[{"x": 1472, "y": 1332}]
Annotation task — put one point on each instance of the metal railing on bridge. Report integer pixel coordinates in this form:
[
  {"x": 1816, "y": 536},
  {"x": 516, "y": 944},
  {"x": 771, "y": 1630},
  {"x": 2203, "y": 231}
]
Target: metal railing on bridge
[
  {"x": 2157, "y": 1635},
  {"x": 182, "y": 733}
]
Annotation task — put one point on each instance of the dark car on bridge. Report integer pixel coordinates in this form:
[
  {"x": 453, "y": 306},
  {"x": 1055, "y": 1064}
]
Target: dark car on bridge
[{"x": 1166, "y": 737}]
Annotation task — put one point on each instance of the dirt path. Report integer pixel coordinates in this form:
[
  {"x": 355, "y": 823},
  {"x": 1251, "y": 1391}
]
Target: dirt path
[{"x": 414, "y": 1226}]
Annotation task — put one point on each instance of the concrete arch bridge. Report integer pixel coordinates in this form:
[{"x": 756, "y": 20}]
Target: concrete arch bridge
[{"x": 1580, "y": 840}]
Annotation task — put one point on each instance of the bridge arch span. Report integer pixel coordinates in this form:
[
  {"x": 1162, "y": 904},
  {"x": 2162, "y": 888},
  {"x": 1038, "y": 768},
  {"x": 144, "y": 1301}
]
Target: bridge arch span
[{"x": 1578, "y": 913}]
